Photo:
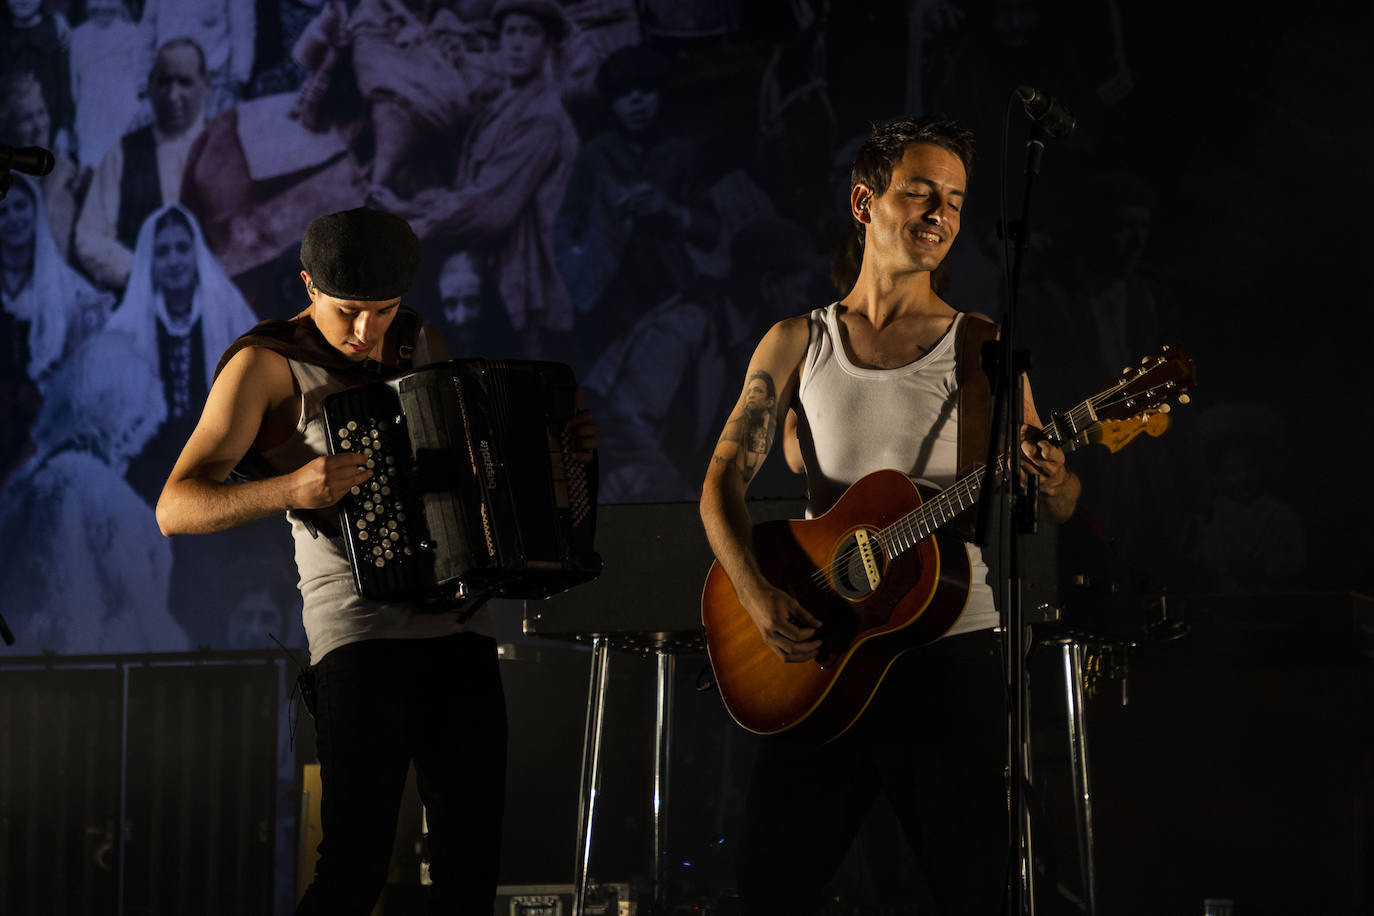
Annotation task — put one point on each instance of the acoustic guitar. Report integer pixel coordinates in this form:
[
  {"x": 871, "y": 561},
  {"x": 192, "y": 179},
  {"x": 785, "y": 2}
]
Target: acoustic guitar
[{"x": 884, "y": 574}]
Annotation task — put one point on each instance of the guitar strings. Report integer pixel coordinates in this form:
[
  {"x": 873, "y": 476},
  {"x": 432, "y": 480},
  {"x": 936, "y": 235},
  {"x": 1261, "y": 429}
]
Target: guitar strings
[{"x": 922, "y": 521}]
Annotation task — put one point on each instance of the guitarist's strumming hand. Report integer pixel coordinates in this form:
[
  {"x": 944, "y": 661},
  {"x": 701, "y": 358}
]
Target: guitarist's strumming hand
[{"x": 787, "y": 627}]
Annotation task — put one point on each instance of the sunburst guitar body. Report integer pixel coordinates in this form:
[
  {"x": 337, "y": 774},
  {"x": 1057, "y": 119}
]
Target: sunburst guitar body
[{"x": 873, "y": 607}]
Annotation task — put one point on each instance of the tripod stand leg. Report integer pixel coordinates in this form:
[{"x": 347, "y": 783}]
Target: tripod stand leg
[
  {"x": 662, "y": 754},
  {"x": 591, "y": 770},
  {"x": 663, "y": 750},
  {"x": 1026, "y": 777},
  {"x": 1072, "y": 653}
]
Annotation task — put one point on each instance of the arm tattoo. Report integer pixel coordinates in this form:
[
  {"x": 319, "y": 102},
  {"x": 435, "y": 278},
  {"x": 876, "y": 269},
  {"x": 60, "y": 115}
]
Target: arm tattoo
[{"x": 752, "y": 428}]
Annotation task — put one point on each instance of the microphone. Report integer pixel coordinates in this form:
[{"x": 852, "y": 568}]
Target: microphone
[
  {"x": 31, "y": 160},
  {"x": 1056, "y": 120}
]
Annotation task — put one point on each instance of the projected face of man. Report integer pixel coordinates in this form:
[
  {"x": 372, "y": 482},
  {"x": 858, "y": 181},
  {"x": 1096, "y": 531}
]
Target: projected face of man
[
  {"x": 177, "y": 87},
  {"x": 27, "y": 121},
  {"x": 460, "y": 290},
  {"x": 524, "y": 46},
  {"x": 636, "y": 109},
  {"x": 253, "y": 621}
]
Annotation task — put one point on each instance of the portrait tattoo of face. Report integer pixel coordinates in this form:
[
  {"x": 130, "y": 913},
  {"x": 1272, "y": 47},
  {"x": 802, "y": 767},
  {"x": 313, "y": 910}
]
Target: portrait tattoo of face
[{"x": 753, "y": 426}]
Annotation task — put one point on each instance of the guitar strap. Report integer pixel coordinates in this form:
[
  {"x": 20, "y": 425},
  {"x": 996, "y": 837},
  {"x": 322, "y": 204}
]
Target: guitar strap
[{"x": 975, "y": 405}]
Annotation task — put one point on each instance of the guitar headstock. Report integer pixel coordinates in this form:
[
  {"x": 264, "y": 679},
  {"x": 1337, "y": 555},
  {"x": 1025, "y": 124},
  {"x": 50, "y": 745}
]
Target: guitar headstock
[
  {"x": 1126, "y": 406},
  {"x": 1157, "y": 383},
  {"x": 1117, "y": 434}
]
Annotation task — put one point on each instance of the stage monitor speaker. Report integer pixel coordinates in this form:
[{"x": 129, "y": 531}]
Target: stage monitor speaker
[{"x": 655, "y": 560}]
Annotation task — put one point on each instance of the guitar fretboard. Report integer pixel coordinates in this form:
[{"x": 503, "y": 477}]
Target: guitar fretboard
[
  {"x": 919, "y": 524},
  {"x": 1067, "y": 430}
]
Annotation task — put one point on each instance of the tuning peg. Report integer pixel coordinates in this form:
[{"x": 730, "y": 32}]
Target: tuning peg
[
  {"x": 1184, "y": 399},
  {"x": 1144, "y": 360},
  {"x": 1165, "y": 347},
  {"x": 1165, "y": 408}
]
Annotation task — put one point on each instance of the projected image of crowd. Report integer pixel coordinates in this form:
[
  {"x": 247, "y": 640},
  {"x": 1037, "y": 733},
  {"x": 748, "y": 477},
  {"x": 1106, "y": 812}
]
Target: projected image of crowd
[{"x": 638, "y": 189}]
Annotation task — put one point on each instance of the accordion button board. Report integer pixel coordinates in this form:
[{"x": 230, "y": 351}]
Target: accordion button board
[{"x": 379, "y": 510}]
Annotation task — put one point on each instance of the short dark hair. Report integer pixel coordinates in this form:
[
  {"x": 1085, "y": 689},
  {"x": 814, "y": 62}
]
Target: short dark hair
[
  {"x": 182, "y": 42},
  {"x": 884, "y": 148}
]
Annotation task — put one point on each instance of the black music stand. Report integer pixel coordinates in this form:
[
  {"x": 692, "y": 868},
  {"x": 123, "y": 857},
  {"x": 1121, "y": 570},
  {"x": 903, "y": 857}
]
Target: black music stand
[{"x": 646, "y": 600}]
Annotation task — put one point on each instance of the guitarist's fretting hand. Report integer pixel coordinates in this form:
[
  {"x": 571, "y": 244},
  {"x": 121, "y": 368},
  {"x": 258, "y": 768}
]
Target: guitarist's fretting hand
[
  {"x": 1057, "y": 484},
  {"x": 787, "y": 627}
]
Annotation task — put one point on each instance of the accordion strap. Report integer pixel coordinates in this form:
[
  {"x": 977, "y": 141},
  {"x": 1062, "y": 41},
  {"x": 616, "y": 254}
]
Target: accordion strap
[{"x": 407, "y": 327}]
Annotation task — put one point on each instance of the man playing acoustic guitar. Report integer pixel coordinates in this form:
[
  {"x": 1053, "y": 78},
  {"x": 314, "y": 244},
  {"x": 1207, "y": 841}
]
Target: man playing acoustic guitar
[{"x": 874, "y": 381}]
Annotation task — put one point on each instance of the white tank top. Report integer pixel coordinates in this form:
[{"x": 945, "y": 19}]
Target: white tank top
[
  {"x": 853, "y": 420},
  {"x": 333, "y": 612}
]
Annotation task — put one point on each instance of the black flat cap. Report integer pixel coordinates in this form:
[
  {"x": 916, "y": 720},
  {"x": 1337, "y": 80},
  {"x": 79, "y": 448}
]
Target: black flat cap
[{"x": 364, "y": 254}]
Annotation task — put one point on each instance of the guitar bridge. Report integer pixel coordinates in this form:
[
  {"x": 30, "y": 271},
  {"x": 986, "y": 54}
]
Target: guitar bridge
[
  {"x": 856, "y": 567},
  {"x": 865, "y": 545}
]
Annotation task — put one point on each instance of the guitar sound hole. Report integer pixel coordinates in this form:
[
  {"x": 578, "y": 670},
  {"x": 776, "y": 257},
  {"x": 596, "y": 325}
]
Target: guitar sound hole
[{"x": 847, "y": 570}]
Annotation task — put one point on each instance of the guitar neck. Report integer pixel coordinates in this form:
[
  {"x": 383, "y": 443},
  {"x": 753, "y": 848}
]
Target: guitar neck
[
  {"x": 1134, "y": 394},
  {"x": 1069, "y": 431}
]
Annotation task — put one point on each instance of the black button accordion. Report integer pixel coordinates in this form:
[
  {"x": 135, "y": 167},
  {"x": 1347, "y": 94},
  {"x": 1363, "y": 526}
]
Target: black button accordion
[{"x": 474, "y": 492}]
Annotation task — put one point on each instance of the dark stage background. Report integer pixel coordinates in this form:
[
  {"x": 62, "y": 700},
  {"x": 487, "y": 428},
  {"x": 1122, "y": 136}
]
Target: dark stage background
[{"x": 680, "y": 185}]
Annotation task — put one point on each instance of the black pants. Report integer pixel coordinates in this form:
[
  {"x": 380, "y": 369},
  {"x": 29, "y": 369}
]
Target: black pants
[
  {"x": 382, "y": 704},
  {"x": 933, "y": 741}
]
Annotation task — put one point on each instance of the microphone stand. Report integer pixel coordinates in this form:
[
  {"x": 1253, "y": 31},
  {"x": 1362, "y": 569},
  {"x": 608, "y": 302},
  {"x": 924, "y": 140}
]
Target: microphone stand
[
  {"x": 6, "y": 179},
  {"x": 1017, "y": 504}
]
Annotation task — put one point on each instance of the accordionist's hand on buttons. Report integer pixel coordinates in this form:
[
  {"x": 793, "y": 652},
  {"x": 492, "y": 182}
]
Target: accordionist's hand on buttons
[
  {"x": 582, "y": 430},
  {"x": 324, "y": 481}
]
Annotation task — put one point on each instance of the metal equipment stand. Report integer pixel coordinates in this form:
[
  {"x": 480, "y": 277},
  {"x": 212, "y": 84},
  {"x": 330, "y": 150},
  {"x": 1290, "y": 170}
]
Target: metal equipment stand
[
  {"x": 666, "y": 661},
  {"x": 1072, "y": 652},
  {"x": 663, "y": 753},
  {"x": 591, "y": 769}
]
